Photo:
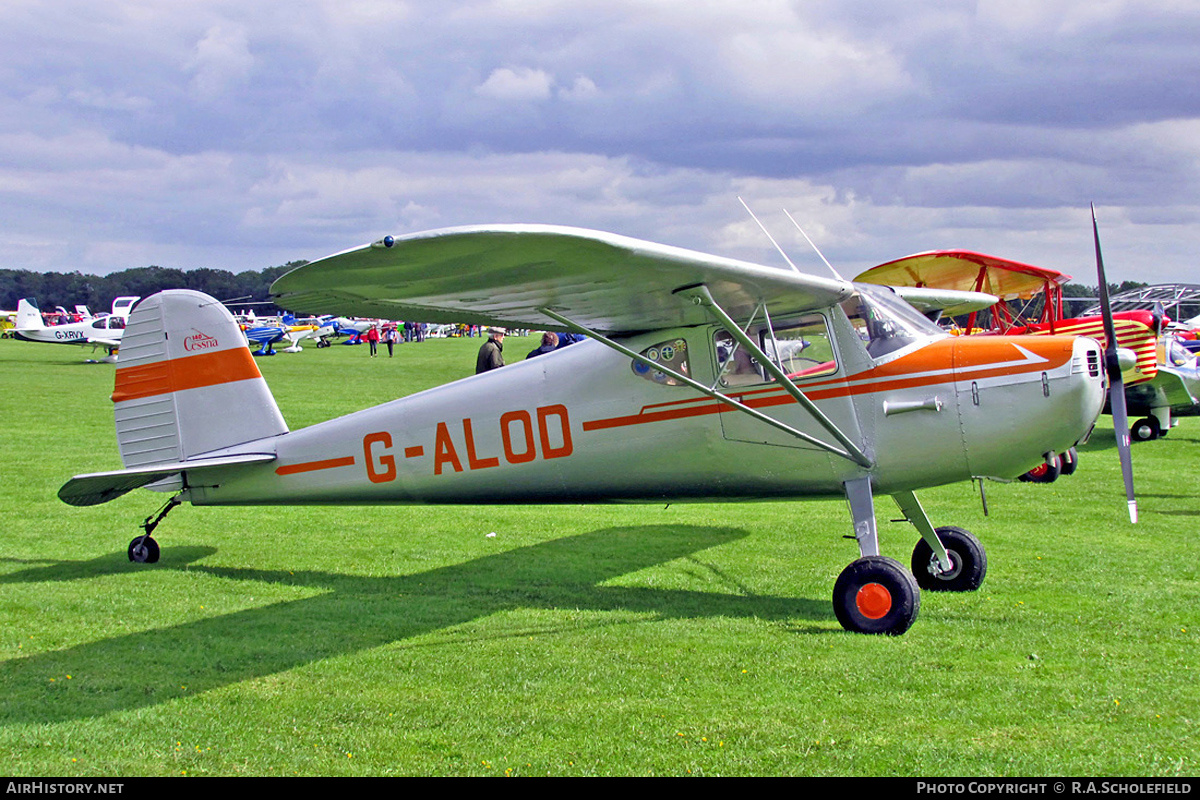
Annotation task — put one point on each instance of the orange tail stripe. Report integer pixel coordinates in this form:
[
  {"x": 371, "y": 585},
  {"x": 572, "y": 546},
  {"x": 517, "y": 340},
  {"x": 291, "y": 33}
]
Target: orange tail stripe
[{"x": 191, "y": 372}]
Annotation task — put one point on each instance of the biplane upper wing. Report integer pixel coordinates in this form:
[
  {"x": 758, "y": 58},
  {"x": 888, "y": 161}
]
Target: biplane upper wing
[
  {"x": 505, "y": 274},
  {"x": 965, "y": 271}
]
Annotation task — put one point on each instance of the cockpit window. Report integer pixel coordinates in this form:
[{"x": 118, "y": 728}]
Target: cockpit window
[
  {"x": 800, "y": 346},
  {"x": 884, "y": 321}
]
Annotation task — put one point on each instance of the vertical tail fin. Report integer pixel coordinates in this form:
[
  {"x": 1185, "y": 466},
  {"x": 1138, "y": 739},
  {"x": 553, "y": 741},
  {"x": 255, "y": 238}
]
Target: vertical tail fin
[
  {"x": 121, "y": 306},
  {"x": 29, "y": 315},
  {"x": 186, "y": 383}
]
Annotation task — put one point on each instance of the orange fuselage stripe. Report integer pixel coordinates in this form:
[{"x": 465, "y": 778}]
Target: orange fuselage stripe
[
  {"x": 191, "y": 372},
  {"x": 313, "y": 466},
  {"x": 925, "y": 368}
]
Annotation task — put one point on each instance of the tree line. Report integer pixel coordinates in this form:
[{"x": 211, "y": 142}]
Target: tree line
[{"x": 68, "y": 289}]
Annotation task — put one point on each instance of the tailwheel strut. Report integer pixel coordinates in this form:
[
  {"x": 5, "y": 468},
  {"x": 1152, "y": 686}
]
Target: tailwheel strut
[{"x": 143, "y": 549}]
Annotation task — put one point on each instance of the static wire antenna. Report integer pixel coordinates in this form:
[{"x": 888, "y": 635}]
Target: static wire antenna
[
  {"x": 768, "y": 235},
  {"x": 813, "y": 244}
]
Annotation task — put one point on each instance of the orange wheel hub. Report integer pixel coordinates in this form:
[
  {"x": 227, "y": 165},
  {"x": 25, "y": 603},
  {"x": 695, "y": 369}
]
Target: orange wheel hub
[{"x": 873, "y": 601}]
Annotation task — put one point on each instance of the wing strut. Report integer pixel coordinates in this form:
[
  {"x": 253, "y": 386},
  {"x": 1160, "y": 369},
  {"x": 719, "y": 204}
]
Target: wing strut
[
  {"x": 701, "y": 296},
  {"x": 851, "y": 453}
]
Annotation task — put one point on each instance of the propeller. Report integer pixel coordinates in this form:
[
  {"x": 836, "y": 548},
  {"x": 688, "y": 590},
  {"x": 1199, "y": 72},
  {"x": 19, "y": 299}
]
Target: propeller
[
  {"x": 1116, "y": 384},
  {"x": 1160, "y": 318}
]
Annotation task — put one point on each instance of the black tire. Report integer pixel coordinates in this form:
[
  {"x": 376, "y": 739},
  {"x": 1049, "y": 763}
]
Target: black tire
[
  {"x": 1146, "y": 429},
  {"x": 1068, "y": 462},
  {"x": 967, "y": 556},
  {"x": 876, "y": 595},
  {"x": 1044, "y": 472},
  {"x": 143, "y": 550}
]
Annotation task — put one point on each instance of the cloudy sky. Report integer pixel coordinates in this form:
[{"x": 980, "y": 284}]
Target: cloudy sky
[{"x": 242, "y": 135}]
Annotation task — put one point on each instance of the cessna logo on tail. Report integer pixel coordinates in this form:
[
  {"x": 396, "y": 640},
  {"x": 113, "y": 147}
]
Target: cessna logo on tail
[{"x": 199, "y": 341}]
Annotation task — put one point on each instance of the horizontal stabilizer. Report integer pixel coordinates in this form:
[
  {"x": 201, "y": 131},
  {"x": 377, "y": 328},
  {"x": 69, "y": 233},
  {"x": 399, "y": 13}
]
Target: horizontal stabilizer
[{"x": 100, "y": 487}]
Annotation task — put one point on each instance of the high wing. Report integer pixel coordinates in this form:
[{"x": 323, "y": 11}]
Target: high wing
[{"x": 506, "y": 274}]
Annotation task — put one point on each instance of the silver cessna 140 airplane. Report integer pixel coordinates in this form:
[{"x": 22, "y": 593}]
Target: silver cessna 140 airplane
[{"x": 705, "y": 379}]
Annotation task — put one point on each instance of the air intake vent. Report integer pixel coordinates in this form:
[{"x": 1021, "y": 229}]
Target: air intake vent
[{"x": 1093, "y": 361}]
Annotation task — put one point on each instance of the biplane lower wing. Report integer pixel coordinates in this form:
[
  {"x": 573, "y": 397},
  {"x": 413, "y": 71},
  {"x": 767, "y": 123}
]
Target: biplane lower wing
[{"x": 945, "y": 302}]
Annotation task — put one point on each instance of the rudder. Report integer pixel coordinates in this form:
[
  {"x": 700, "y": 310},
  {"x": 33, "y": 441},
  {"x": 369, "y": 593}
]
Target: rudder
[{"x": 186, "y": 383}]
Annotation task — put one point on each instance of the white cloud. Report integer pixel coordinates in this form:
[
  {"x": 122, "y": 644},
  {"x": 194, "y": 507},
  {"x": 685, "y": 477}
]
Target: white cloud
[
  {"x": 259, "y": 133},
  {"x": 520, "y": 84},
  {"x": 221, "y": 61},
  {"x": 582, "y": 88}
]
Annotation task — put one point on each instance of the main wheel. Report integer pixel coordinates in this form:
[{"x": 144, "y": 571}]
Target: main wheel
[
  {"x": 876, "y": 595},
  {"x": 1069, "y": 462},
  {"x": 1044, "y": 472},
  {"x": 1145, "y": 429},
  {"x": 968, "y": 562},
  {"x": 143, "y": 550}
]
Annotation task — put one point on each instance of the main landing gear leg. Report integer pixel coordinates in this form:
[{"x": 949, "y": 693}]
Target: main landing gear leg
[
  {"x": 143, "y": 549},
  {"x": 947, "y": 559},
  {"x": 874, "y": 594}
]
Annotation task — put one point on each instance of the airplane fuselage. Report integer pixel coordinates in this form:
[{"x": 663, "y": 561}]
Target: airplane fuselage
[
  {"x": 105, "y": 329},
  {"x": 581, "y": 425}
]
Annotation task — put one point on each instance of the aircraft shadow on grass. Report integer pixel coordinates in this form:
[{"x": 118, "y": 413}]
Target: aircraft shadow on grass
[{"x": 355, "y": 613}]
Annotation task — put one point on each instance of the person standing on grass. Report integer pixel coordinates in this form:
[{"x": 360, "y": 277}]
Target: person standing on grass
[
  {"x": 389, "y": 338},
  {"x": 373, "y": 339},
  {"x": 491, "y": 354},
  {"x": 549, "y": 345}
]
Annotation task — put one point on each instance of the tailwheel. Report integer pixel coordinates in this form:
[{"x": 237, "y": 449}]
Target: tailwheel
[
  {"x": 968, "y": 562},
  {"x": 143, "y": 550},
  {"x": 876, "y": 594}
]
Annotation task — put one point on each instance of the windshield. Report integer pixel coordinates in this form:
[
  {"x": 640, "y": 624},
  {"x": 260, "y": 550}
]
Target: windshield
[
  {"x": 1176, "y": 354},
  {"x": 884, "y": 321}
]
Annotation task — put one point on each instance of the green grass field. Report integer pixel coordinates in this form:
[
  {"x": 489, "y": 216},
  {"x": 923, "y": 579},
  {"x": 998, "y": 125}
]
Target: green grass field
[{"x": 578, "y": 640}]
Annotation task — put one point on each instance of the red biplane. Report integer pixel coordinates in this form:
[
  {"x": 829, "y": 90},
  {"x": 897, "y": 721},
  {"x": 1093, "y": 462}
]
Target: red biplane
[{"x": 1031, "y": 303}]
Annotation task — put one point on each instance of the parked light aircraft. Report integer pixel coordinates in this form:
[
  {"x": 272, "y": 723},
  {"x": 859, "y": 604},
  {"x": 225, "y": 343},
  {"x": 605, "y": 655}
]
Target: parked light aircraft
[
  {"x": 706, "y": 379},
  {"x": 1011, "y": 281},
  {"x": 100, "y": 331},
  {"x": 1174, "y": 391},
  {"x": 264, "y": 336},
  {"x": 1136, "y": 332}
]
